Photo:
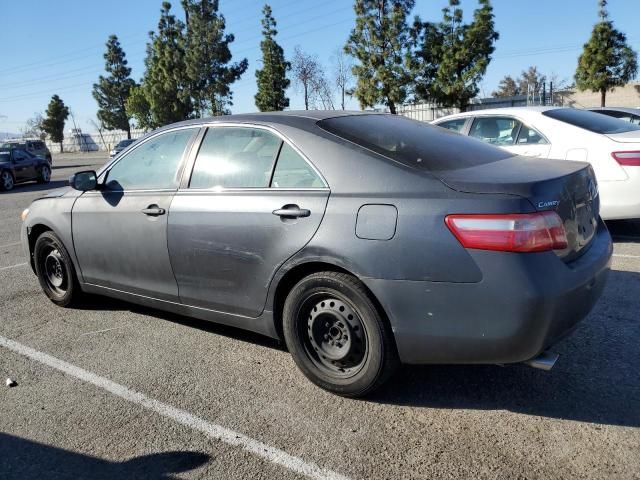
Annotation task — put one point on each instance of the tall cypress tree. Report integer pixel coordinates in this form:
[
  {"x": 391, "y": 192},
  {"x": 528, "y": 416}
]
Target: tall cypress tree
[
  {"x": 379, "y": 42},
  {"x": 456, "y": 55},
  {"x": 208, "y": 64},
  {"x": 111, "y": 92},
  {"x": 272, "y": 78},
  {"x": 56, "y": 116},
  {"x": 607, "y": 61},
  {"x": 165, "y": 83}
]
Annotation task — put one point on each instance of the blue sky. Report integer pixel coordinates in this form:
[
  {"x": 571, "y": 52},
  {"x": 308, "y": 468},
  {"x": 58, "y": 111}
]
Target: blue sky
[{"x": 50, "y": 47}]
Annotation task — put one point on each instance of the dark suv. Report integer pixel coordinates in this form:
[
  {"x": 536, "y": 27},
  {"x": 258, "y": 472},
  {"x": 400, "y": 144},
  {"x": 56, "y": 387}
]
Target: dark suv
[
  {"x": 35, "y": 147},
  {"x": 18, "y": 166}
]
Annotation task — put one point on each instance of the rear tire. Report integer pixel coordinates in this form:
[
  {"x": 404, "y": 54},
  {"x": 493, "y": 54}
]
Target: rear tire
[
  {"x": 7, "y": 182},
  {"x": 337, "y": 336},
  {"x": 55, "y": 270},
  {"x": 44, "y": 176}
]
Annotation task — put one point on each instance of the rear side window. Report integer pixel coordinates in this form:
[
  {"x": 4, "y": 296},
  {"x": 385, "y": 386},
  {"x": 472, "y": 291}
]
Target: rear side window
[
  {"x": 496, "y": 130},
  {"x": 456, "y": 125},
  {"x": 594, "y": 122},
  {"x": 529, "y": 136},
  {"x": 235, "y": 157},
  {"x": 412, "y": 143},
  {"x": 292, "y": 171}
]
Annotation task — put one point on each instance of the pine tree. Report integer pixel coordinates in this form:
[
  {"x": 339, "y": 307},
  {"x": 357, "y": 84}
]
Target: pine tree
[
  {"x": 607, "y": 61},
  {"x": 165, "y": 84},
  {"x": 424, "y": 58},
  {"x": 507, "y": 87},
  {"x": 111, "y": 92},
  {"x": 57, "y": 113},
  {"x": 207, "y": 58},
  {"x": 464, "y": 54},
  {"x": 379, "y": 42},
  {"x": 272, "y": 78},
  {"x": 138, "y": 106}
]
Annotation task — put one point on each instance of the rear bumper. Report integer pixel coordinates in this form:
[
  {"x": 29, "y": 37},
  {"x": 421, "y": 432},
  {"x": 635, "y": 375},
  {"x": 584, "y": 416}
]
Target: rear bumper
[{"x": 523, "y": 304}]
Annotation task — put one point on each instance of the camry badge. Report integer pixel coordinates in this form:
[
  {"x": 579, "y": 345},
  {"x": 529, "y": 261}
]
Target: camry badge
[{"x": 548, "y": 203}]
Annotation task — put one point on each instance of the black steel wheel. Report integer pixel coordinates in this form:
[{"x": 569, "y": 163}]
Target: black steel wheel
[
  {"x": 336, "y": 334},
  {"x": 55, "y": 270},
  {"x": 6, "y": 180},
  {"x": 44, "y": 176}
]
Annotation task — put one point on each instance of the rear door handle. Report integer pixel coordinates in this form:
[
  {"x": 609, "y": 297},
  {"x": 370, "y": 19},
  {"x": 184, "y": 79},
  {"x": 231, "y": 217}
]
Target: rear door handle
[
  {"x": 153, "y": 211},
  {"x": 292, "y": 211}
]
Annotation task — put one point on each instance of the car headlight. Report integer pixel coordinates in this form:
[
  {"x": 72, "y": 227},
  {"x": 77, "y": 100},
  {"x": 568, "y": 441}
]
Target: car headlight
[{"x": 24, "y": 214}]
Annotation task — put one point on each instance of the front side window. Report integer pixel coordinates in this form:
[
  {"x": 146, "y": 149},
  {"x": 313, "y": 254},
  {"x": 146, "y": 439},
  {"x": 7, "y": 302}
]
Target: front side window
[
  {"x": 154, "y": 165},
  {"x": 20, "y": 155},
  {"x": 456, "y": 125},
  {"x": 235, "y": 157},
  {"x": 292, "y": 171},
  {"x": 500, "y": 131}
]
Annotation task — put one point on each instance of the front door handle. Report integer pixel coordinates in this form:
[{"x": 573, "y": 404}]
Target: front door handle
[
  {"x": 292, "y": 211},
  {"x": 153, "y": 211}
]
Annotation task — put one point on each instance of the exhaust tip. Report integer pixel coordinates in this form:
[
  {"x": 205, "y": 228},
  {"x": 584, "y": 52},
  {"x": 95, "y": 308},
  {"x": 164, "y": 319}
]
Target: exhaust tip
[{"x": 545, "y": 361}]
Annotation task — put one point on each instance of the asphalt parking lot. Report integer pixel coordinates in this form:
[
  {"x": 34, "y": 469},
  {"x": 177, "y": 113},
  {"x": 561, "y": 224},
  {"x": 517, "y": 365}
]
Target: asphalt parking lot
[{"x": 145, "y": 394}]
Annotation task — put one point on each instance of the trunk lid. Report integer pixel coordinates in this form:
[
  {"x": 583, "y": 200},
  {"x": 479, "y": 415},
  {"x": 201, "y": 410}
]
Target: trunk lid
[
  {"x": 626, "y": 137},
  {"x": 568, "y": 188}
]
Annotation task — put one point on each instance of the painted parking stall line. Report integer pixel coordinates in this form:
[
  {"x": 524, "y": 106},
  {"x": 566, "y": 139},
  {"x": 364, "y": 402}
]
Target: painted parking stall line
[
  {"x": 10, "y": 244},
  {"x": 621, "y": 255},
  {"x": 211, "y": 430},
  {"x": 13, "y": 266}
]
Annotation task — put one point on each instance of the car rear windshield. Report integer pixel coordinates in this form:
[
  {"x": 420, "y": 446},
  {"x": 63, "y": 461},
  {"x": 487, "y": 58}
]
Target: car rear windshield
[
  {"x": 412, "y": 143},
  {"x": 594, "y": 122}
]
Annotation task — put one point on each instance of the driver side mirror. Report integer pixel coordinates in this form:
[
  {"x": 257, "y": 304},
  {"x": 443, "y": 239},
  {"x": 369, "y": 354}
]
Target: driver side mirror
[{"x": 84, "y": 181}]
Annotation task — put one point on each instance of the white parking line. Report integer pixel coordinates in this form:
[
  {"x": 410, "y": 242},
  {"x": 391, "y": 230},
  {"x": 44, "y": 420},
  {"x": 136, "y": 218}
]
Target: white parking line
[
  {"x": 13, "y": 266},
  {"x": 216, "y": 432},
  {"x": 9, "y": 244},
  {"x": 620, "y": 255}
]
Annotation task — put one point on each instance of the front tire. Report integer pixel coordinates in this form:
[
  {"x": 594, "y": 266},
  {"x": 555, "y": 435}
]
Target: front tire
[
  {"x": 7, "y": 181},
  {"x": 44, "y": 176},
  {"x": 337, "y": 336},
  {"x": 55, "y": 270}
]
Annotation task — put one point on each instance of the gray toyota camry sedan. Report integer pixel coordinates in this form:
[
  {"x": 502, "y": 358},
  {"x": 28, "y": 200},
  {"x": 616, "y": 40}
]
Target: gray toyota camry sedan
[{"x": 362, "y": 240}]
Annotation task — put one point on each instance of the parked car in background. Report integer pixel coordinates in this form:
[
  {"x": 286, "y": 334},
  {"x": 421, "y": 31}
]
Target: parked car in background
[
  {"x": 360, "y": 239},
  {"x": 18, "y": 166},
  {"x": 120, "y": 146},
  {"x": 610, "y": 145},
  {"x": 35, "y": 147},
  {"x": 631, "y": 115}
]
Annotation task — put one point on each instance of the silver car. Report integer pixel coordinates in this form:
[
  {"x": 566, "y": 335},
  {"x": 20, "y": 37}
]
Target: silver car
[{"x": 361, "y": 240}]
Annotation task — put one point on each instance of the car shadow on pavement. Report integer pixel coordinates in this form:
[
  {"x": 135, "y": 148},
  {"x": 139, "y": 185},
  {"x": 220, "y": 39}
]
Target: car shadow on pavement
[
  {"x": 62, "y": 167},
  {"x": 36, "y": 187},
  {"x": 97, "y": 302},
  {"x": 22, "y": 459},
  {"x": 595, "y": 380}
]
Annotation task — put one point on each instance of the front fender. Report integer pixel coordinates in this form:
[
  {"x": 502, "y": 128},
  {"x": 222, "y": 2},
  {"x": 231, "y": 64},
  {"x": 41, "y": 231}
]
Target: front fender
[{"x": 53, "y": 213}]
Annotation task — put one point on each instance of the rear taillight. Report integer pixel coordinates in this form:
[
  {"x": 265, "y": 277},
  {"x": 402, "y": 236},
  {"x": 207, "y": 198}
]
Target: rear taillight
[
  {"x": 627, "y": 159},
  {"x": 518, "y": 232}
]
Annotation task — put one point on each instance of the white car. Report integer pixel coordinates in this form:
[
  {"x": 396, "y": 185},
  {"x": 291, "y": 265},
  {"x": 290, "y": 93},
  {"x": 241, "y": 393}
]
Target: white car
[{"x": 610, "y": 145}]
